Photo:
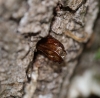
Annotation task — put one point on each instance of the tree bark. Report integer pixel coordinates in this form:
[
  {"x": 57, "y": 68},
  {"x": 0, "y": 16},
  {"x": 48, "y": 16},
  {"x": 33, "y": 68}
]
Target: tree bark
[{"x": 24, "y": 72}]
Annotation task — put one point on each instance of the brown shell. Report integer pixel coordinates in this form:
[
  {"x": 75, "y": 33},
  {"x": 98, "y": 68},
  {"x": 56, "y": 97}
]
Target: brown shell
[{"x": 52, "y": 48}]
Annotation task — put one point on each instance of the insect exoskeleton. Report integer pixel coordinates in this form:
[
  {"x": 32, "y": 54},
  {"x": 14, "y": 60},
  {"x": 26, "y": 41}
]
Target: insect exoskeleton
[{"x": 52, "y": 48}]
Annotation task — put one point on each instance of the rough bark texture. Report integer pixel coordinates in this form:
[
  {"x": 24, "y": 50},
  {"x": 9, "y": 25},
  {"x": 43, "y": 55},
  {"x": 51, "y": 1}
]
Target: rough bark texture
[
  {"x": 22, "y": 24},
  {"x": 85, "y": 82}
]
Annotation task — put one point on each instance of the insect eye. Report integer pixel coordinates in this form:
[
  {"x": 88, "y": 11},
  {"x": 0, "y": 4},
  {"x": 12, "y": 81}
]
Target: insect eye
[{"x": 51, "y": 48}]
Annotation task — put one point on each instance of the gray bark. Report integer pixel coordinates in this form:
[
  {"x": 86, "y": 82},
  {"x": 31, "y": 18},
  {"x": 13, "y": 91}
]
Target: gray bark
[{"x": 22, "y": 24}]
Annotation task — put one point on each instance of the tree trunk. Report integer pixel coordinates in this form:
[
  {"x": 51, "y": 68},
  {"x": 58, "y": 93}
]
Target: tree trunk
[{"x": 28, "y": 73}]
